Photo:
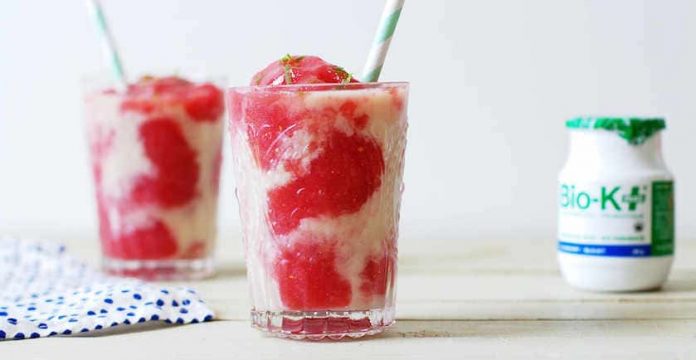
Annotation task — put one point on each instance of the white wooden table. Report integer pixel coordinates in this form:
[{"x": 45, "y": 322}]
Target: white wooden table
[{"x": 456, "y": 299}]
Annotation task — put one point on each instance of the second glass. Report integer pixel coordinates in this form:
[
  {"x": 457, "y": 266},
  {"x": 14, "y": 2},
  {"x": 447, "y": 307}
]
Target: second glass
[
  {"x": 319, "y": 181},
  {"x": 156, "y": 154}
]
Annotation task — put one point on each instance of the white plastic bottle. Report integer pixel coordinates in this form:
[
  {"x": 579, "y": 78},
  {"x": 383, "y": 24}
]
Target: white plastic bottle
[{"x": 616, "y": 206}]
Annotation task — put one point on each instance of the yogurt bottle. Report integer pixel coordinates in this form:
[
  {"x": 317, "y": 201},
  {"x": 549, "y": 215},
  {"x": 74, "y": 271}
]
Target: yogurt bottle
[{"x": 616, "y": 205}]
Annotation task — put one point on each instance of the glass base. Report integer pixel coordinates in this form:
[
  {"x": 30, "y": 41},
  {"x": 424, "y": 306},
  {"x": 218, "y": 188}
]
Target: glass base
[
  {"x": 183, "y": 269},
  {"x": 318, "y": 325}
]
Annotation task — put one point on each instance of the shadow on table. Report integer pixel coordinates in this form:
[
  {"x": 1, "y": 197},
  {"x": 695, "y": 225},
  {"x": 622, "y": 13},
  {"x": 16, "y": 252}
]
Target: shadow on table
[
  {"x": 493, "y": 329},
  {"x": 477, "y": 329},
  {"x": 686, "y": 283},
  {"x": 427, "y": 329},
  {"x": 128, "y": 329}
]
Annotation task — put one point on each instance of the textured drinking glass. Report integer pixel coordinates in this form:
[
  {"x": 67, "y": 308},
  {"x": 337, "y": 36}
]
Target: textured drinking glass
[
  {"x": 156, "y": 154},
  {"x": 319, "y": 181}
]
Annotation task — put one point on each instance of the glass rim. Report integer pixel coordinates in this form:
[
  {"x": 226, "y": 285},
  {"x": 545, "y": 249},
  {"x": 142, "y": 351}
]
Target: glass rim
[
  {"x": 102, "y": 80},
  {"x": 321, "y": 86}
]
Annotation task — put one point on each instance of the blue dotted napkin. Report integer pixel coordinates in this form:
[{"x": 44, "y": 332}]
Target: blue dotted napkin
[{"x": 45, "y": 292}]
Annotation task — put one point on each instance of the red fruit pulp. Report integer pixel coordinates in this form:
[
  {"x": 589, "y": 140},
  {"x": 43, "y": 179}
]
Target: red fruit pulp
[
  {"x": 202, "y": 102},
  {"x": 301, "y": 70},
  {"x": 269, "y": 120},
  {"x": 150, "y": 242},
  {"x": 375, "y": 274},
  {"x": 174, "y": 183},
  {"x": 307, "y": 276},
  {"x": 339, "y": 181}
]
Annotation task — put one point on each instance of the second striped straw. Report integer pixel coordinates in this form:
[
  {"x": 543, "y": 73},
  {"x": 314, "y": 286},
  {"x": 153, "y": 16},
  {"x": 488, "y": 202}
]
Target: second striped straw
[
  {"x": 380, "y": 46},
  {"x": 108, "y": 44}
]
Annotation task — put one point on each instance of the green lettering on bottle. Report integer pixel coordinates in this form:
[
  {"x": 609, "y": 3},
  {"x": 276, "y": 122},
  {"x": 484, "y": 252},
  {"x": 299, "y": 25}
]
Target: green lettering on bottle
[
  {"x": 609, "y": 197},
  {"x": 634, "y": 198},
  {"x": 662, "y": 218}
]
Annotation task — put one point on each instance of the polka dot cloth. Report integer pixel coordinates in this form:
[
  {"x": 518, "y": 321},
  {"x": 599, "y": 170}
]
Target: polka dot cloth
[{"x": 45, "y": 292}]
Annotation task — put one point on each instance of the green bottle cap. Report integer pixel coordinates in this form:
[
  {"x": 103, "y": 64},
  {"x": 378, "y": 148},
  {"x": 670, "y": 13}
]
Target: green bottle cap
[{"x": 635, "y": 130}]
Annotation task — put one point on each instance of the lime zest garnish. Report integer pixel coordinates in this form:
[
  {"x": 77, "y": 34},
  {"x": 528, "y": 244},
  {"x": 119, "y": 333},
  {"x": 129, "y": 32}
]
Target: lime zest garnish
[
  {"x": 345, "y": 76},
  {"x": 287, "y": 73},
  {"x": 287, "y": 60},
  {"x": 347, "y": 79}
]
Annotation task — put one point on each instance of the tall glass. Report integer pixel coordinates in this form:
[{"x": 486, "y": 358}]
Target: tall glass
[
  {"x": 156, "y": 153},
  {"x": 319, "y": 181}
]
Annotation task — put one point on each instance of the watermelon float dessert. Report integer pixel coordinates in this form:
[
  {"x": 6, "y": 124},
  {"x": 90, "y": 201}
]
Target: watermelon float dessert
[
  {"x": 156, "y": 153},
  {"x": 318, "y": 161}
]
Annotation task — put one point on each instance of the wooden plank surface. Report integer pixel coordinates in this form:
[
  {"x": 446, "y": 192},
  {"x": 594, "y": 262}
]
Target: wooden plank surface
[
  {"x": 660, "y": 339},
  {"x": 484, "y": 299}
]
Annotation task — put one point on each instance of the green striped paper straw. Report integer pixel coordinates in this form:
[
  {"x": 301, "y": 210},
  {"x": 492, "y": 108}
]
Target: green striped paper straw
[
  {"x": 380, "y": 46},
  {"x": 108, "y": 44}
]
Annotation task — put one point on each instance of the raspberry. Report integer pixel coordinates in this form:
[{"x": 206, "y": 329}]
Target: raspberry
[
  {"x": 307, "y": 277},
  {"x": 176, "y": 168},
  {"x": 301, "y": 70}
]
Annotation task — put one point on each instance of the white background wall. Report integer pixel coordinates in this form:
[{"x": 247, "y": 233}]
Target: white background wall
[{"x": 492, "y": 82}]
